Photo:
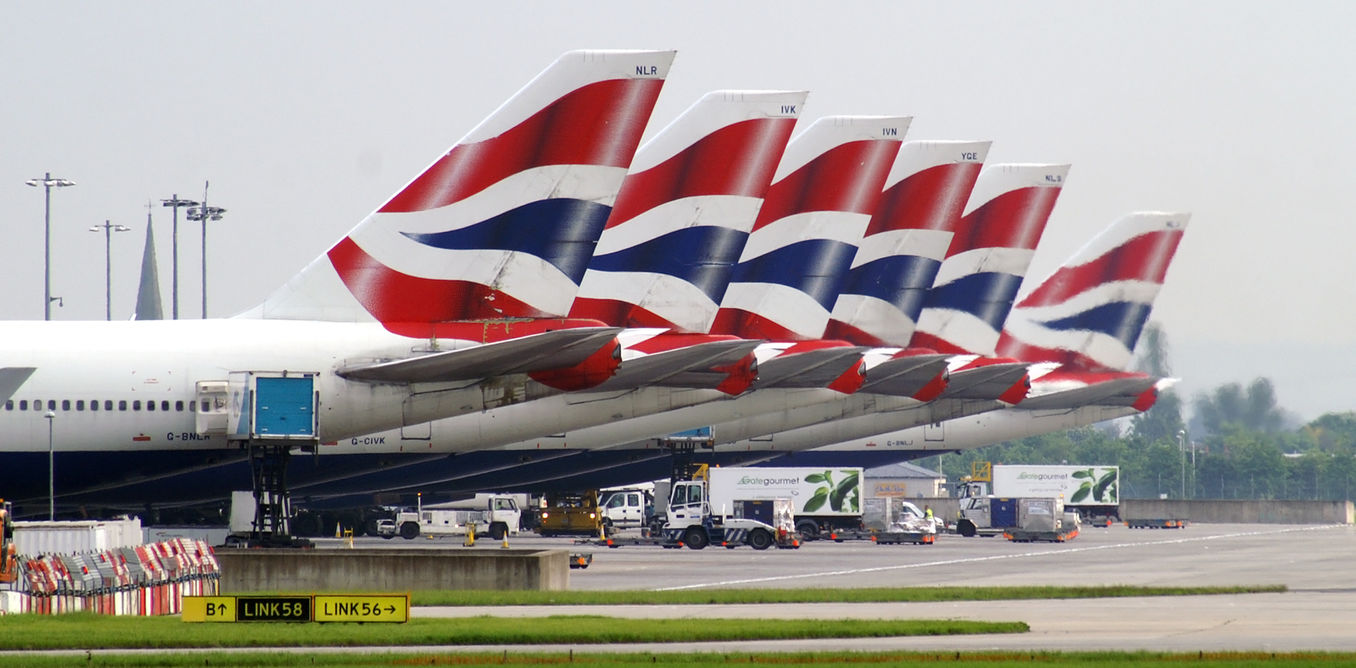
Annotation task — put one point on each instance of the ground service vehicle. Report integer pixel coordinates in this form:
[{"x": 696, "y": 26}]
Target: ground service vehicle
[
  {"x": 570, "y": 514},
  {"x": 9, "y": 561},
  {"x": 1018, "y": 518},
  {"x": 823, "y": 499},
  {"x": 1092, "y": 491},
  {"x": 692, "y": 519},
  {"x": 622, "y": 508},
  {"x": 497, "y": 515}
]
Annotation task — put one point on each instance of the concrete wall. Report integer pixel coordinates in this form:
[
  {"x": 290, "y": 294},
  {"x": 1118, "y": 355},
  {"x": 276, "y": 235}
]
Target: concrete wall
[
  {"x": 397, "y": 570},
  {"x": 1236, "y": 512}
]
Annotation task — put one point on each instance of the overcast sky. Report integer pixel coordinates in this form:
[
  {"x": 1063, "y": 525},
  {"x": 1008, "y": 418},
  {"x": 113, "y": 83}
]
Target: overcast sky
[{"x": 305, "y": 116}]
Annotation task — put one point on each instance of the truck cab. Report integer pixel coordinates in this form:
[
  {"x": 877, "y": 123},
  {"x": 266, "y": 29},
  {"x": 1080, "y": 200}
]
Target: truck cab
[{"x": 627, "y": 508}]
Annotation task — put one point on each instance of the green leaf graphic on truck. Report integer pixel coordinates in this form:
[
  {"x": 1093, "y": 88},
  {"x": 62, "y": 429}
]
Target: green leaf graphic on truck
[
  {"x": 842, "y": 497},
  {"x": 1097, "y": 487}
]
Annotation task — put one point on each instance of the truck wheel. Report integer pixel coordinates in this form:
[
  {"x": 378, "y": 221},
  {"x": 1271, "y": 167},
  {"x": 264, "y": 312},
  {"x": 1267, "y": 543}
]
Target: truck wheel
[
  {"x": 808, "y": 529},
  {"x": 965, "y": 528},
  {"x": 498, "y": 530},
  {"x": 409, "y": 531},
  {"x": 696, "y": 538},
  {"x": 759, "y": 539}
]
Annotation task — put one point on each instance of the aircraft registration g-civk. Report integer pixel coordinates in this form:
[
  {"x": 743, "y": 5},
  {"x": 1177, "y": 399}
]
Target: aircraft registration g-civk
[{"x": 547, "y": 301}]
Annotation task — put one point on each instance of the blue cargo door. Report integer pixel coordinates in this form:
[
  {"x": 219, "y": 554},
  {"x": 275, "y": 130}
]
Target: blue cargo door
[{"x": 285, "y": 406}]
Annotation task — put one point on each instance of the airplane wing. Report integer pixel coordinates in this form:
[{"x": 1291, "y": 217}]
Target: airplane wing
[
  {"x": 1117, "y": 392},
  {"x": 904, "y": 376},
  {"x": 809, "y": 369},
  {"x": 986, "y": 382},
  {"x": 11, "y": 377},
  {"x": 556, "y": 349},
  {"x": 688, "y": 367}
]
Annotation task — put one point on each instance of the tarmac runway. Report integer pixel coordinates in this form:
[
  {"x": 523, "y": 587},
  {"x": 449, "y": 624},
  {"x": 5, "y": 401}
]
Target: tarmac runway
[{"x": 1313, "y": 562}]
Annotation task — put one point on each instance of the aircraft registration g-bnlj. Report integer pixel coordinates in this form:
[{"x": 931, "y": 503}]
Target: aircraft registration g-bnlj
[{"x": 379, "y": 332}]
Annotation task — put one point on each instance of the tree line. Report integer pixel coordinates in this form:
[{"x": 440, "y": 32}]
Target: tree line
[{"x": 1239, "y": 444}]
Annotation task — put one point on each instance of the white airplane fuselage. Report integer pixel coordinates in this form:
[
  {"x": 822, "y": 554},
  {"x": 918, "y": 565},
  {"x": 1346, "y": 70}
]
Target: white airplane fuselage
[{"x": 147, "y": 373}]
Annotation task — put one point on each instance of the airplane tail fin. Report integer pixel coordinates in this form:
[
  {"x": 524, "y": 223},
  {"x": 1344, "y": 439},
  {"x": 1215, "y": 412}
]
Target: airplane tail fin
[
  {"x": 988, "y": 257},
  {"x": 1090, "y": 312},
  {"x": 502, "y": 224},
  {"x": 806, "y": 233},
  {"x": 905, "y": 242},
  {"x": 684, "y": 211}
]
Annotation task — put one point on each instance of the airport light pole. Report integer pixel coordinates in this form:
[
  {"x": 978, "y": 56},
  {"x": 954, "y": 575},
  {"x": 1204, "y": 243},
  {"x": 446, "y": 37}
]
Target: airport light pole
[
  {"x": 1181, "y": 450},
  {"x": 51, "y": 469},
  {"x": 203, "y": 213},
  {"x": 108, "y": 229},
  {"x": 47, "y": 183},
  {"x": 175, "y": 203}
]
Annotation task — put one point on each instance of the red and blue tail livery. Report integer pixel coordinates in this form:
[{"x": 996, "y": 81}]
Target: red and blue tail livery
[
  {"x": 685, "y": 211},
  {"x": 806, "y": 233},
  {"x": 988, "y": 258},
  {"x": 1089, "y": 314},
  {"x": 503, "y": 224},
  {"x": 906, "y": 240}
]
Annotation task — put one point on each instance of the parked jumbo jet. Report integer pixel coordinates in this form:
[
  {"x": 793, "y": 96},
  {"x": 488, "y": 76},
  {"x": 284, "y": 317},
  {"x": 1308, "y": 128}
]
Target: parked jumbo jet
[{"x": 381, "y": 331}]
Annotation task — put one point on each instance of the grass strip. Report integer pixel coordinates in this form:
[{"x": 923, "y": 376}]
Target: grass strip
[
  {"x": 877, "y": 595},
  {"x": 88, "y": 631},
  {"x": 817, "y": 659}
]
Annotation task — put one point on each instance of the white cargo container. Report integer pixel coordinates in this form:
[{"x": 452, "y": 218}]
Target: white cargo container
[
  {"x": 822, "y": 499},
  {"x": 35, "y": 538},
  {"x": 1092, "y": 491}
]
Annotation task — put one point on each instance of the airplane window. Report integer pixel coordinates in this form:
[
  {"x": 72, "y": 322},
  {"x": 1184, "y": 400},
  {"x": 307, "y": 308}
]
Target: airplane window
[
  {"x": 94, "y": 405},
  {"x": 108, "y": 404},
  {"x": 136, "y": 404},
  {"x": 204, "y": 406},
  {"x": 9, "y": 404},
  {"x": 150, "y": 405},
  {"x": 51, "y": 404},
  {"x": 122, "y": 404},
  {"x": 80, "y": 404},
  {"x": 23, "y": 404},
  {"x": 65, "y": 404},
  {"x": 164, "y": 405},
  {"x": 179, "y": 406},
  {"x": 37, "y": 404}
]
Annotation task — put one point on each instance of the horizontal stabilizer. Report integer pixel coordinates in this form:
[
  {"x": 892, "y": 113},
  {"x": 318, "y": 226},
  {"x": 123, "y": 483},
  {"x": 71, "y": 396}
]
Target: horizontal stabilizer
[
  {"x": 11, "y": 377},
  {"x": 991, "y": 381},
  {"x": 557, "y": 349},
  {"x": 904, "y": 376},
  {"x": 810, "y": 369},
  {"x": 1118, "y": 392},
  {"x": 690, "y": 366}
]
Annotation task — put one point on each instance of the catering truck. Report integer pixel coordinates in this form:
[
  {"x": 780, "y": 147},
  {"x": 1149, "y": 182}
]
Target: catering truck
[
  {"x": 1092, "y": 491},
  {"x": 823, "y": 500}
]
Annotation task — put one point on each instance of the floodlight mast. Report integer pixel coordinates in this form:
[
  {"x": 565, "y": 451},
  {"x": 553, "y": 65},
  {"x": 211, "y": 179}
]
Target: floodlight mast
[{"x": 47, "y": 183}]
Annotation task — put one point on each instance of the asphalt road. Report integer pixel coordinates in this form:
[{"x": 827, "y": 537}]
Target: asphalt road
[
  {"x": 1314, "y": 562},
  {"x": 1317, "y": 613}
]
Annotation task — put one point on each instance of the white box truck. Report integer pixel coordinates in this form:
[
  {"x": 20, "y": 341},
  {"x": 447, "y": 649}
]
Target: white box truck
[
  {"x": 823, "y": 499},
  {"x": 1092, "y": 491}
]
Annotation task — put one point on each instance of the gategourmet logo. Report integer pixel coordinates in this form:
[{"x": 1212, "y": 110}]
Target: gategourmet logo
[
  {"x": 1042, "y": 476},
  {"x": 768, "y": 482}
]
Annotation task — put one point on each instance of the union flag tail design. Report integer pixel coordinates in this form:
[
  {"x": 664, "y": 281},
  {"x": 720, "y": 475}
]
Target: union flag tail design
[
  {"x": 685, "y": 210},
  {"x": 905, "y": 242},
  {"x": 503, "y": 224},
  {"x": 806, "y": 233},
  {"x": 988, "y": 257},
  {"x": 1089, "y": 313}
]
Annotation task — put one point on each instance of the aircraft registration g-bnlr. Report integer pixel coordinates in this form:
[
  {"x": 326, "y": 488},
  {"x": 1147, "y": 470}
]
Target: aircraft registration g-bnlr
[{"x": 354, "y": 345}]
